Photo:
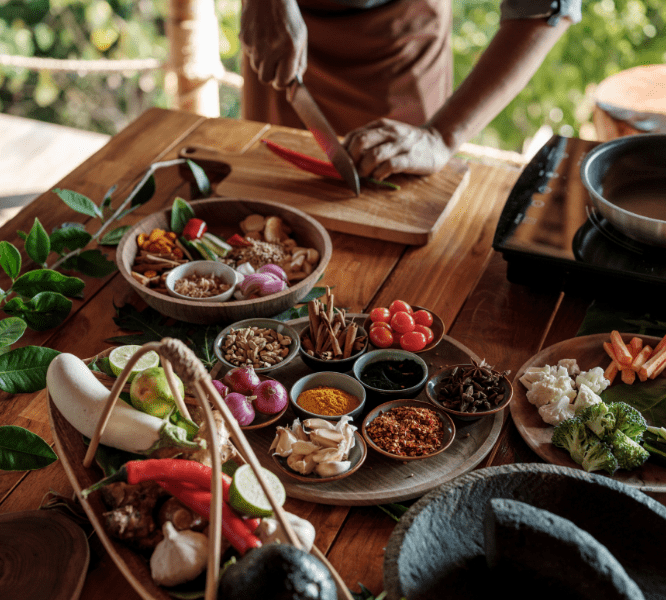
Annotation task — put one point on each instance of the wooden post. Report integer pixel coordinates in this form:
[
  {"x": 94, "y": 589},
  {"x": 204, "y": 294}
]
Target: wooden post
[{"x": 194, "y": 62}]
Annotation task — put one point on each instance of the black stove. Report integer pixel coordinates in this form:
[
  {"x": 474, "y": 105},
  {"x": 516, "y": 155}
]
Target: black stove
[{"x": 551, "y": 236}]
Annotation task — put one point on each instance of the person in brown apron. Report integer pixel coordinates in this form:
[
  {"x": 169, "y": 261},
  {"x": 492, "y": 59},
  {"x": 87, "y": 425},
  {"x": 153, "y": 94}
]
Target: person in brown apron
[{"x": 381, "y": 71}]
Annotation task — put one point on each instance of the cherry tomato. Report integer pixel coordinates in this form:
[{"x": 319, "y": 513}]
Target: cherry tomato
[
  {"x": 380, "y": 313},
  {"x": 423, "y": 317},
  {"x": 413, "y": 341},
  {"x": 430, "y": 336},
  {"x": 381, "y": 337},
  {"x": 402, "y": 322},
  {"x": 400, "y": 306},
  {"x": 380, "y": 324}
]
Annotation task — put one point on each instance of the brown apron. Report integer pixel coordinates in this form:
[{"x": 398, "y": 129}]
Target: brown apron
[{"x": 392, "y": 61}]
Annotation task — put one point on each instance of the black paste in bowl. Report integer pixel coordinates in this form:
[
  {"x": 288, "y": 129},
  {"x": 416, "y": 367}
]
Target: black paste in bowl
[{"x": 392, "y": 374}]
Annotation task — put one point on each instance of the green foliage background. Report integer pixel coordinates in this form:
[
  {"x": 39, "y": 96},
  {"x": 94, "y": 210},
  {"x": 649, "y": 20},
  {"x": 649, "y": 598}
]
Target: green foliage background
[{"x": 614, "y": 35}]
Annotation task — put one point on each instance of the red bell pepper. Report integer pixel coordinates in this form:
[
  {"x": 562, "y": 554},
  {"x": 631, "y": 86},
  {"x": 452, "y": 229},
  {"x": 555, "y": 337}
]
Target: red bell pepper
[{"x": 194, "y": 229}]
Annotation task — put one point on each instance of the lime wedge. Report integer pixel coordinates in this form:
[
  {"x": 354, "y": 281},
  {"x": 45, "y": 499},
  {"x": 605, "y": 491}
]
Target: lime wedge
[
  {"x": 120, "y": 356},
  {"x": 247, "y": 496}
]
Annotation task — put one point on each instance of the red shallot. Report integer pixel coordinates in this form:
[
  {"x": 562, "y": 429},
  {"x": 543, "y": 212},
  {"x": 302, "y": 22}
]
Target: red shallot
[
  {"x": 242, "y": 379},
  {"x": 241, "y": 408},
  {"x": 272, "y": 269},
  {"x": 271, "y": 397},
  {"x": 261, "y": 284}
]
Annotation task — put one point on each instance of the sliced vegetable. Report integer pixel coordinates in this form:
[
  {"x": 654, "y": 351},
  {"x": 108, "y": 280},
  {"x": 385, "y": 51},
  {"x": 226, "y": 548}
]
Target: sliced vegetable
[
  {"x": 261, "y": 284},
  {"x": 238, "y": 241},
  {"x": 194, "y": 229}
]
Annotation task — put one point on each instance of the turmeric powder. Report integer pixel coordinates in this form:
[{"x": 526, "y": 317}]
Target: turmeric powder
[{"x": 327, "y": 401}]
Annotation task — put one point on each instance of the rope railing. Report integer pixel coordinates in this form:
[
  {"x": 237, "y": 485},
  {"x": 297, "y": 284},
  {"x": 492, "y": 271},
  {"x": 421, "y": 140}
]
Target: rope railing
[{"x": 104, "y": 65}]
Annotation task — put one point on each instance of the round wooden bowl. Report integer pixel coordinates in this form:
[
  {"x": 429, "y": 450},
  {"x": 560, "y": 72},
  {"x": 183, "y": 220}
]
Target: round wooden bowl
[{"x": 223, "y": 217}]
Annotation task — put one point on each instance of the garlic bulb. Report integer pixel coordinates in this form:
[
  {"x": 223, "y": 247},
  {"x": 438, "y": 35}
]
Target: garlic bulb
[
  {"x": 270, "y": 530},
  {"x": 181, "y": 556}
]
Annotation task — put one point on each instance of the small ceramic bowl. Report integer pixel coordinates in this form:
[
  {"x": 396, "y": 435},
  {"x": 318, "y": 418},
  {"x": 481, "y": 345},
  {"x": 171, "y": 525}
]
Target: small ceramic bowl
[
  {"x": 277, "y": 326},
  {"x": 449, "y": 429},
  {"x": 434, "y": 388},
  {"x": 437, "y": 328},
  {"x": 357, "y": 456},
  {"x": 340, "y": 365},
  {"x": 202, "y": 267},
  {"x": 390, "y": 355},
  {"x": 332, "y": 379}
]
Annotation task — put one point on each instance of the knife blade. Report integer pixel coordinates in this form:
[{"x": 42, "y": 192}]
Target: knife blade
[
  {"x": 309, "y": 112},
  {"x": 646, "y": 122}
]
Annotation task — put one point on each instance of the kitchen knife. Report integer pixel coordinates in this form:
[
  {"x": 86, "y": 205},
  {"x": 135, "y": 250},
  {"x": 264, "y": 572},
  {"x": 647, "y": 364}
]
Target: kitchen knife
[
  {"x": 308, "y": 111},
  {"x": 642, "y": 121}
]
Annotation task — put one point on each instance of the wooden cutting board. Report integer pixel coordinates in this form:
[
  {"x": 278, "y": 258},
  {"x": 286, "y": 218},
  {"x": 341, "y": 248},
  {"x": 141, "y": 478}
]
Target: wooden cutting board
[{"x": 410, "y": 215}]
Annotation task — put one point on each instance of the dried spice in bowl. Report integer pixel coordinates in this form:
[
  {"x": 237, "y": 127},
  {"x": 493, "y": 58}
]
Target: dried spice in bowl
[{"x": 327, "y": 401}]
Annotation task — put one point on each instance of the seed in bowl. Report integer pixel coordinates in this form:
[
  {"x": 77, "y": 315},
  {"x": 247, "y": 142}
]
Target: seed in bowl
[
  {"x": 257, "y": 346},
  {"x": 472, "y": 389},
  {"x": 327, "y": 401},
  {"x": 201, "y": 286},
  {"x": 407, "y": 431}
]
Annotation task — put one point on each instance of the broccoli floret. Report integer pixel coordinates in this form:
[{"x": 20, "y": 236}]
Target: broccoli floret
[
  {"x": 628, "y": 420},
  {"x": 598, "y": 419},
  {"x": 629, "y": 453},
  {"x": 599, "y": 457},
  {"x": 572, "y": 436}
]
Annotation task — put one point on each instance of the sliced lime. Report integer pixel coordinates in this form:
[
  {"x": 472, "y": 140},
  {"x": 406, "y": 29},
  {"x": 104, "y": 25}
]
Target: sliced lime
[
  {"x": 121, "y": 355},
  {"x": 247, "y": 496}
]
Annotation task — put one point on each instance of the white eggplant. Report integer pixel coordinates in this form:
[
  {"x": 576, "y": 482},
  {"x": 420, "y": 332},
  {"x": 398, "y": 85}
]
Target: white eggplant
[{"x": 81, "y": 398}]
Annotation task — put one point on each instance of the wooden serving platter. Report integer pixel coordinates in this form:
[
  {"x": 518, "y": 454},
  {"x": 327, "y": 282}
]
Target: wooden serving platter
[
  {"x": 410, "y": 215},
  {"x": 382, "y": 480},
  {"x": 588, "y": 352}
]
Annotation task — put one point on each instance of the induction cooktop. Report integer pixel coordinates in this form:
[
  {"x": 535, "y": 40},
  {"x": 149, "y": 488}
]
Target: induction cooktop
[{"x": 551, "y": 236}]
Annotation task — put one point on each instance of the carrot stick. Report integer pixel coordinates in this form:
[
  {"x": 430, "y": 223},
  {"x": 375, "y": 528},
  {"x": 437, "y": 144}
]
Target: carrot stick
[
  {"x": 641, "y": 357},
  {"x": 611, "y": 371},
  {"x": 635, "y": 346},
  {"x": 608, "y": 347},
  {"x": 622, "y": 353},
  {"x": 628, "y": 376},
  {"x": 660, "y": 345},
  {"x": 654, "y": 365}
]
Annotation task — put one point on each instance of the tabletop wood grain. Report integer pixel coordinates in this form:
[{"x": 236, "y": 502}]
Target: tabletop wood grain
[{"x": 456, "y": 274}]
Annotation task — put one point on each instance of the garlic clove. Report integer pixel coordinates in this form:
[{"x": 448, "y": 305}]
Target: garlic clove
[
  {"x": 283, "y": 442},
  {"x": 302, "y": 447},
  {"x": 328, "y": 455},
  {"x": 300, "y": 463},
  {"x": 318, "y": 424},
  {"x": 326, "y": 437},
  {"x": 330, "y": 469}
]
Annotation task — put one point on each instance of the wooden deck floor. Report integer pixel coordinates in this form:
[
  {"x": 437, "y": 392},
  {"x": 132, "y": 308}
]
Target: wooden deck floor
[{"x": 35, "y": 155}]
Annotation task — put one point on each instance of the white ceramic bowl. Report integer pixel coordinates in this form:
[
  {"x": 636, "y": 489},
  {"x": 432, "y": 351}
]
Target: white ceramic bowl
[
  {"x": 203, "y": 267},
  {"x": 332, "y": 379}
]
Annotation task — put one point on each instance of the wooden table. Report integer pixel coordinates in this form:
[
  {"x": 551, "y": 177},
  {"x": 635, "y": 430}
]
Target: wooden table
[{"x": 457, "y": 274}]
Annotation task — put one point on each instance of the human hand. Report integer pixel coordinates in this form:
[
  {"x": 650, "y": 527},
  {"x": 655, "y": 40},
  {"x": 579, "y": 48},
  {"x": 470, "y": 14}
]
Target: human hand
[
  {"x": 274, "y": 37},
  {"x": 384, "y": 147}
]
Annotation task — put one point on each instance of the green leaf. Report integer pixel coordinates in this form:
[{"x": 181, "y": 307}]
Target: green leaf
[
  {"x": 649, "y": 398},
  {"x": 106, "y": 202},
  {"x": 181, "y": 213},
  {"x": 37, "y": 245},
  {"x": 47, "y": 280},
  {"x": 44, "y": 311},
  {"x": 78, "y": 202},
  {"x": 10, "y": 259},
  {"x": 92, "y": 263},
  {"x": 70, "y": 238},
  {"x": 113, "y": 237},
  {"x": 146, "y": 192},
  {"x": 200, "y": 177},
  {"x": 602, "y": 317},
  {"x": 11, "y": 330},
  {"x": 23, "y": 370},
  {"x": 22, "y": 450}
]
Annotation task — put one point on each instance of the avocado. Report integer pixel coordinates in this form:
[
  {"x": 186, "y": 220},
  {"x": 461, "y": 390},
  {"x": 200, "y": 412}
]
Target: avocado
[{"x": 277, "y": 572}]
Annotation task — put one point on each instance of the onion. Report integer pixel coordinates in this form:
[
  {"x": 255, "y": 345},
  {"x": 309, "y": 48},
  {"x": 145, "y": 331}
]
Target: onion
[
  {"x": 271, "y": 397},
  {"x": 261, "y": 284},
  {"x": 241, "y": 408},
  {"x": 272, "y": 269},
  {"x": 222, "y": 389},
  {"x": 242, "y": 379}
]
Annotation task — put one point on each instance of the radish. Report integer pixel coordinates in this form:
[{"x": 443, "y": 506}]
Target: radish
[{"x": 81, "y": 399}]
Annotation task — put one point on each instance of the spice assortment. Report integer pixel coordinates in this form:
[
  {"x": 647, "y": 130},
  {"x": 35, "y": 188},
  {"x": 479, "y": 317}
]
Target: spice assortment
[
  {"x": 260, "y": 347},
  {"x": 472, "y": 388},
  {"x": 407, "y": 431},
  {"x": 327, "y": 401},
  {"x": 329, "y": 335}
]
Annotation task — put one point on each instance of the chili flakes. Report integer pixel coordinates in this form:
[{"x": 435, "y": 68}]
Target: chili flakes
[{"x": 407, "y": 431}]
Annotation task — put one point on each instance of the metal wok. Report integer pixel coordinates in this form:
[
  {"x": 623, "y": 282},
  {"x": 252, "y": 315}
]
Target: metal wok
[{"x": 632, "y": 171}]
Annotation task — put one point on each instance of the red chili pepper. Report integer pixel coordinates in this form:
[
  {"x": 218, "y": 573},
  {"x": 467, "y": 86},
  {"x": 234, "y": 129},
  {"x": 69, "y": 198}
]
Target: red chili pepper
[
  {"x": 303, "y": 161},
  {"x": 194, "y": 229},
  {"x": 234, "y": 528},
  {"x": 239, "y": 241}
]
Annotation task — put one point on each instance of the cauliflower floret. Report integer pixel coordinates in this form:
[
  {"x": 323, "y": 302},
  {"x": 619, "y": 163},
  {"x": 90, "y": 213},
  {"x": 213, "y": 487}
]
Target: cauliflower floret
[
  {"x": 551, "y": 388},
  {"x": 534, "y": 374},
  {"x": 556, "y": 412},
  {"x": 594, "y": 379},
  {"x": 585, "y": 397},
  {"x": 570, "y": 365}
]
